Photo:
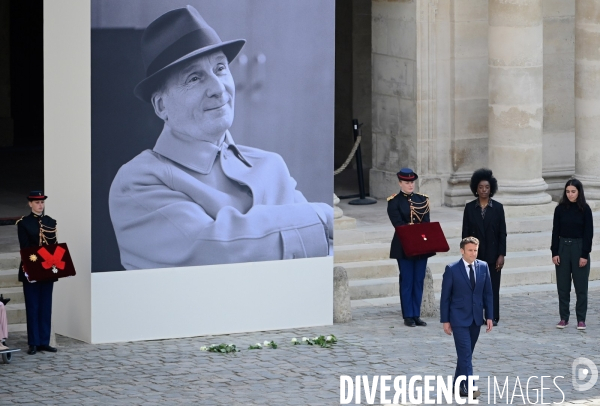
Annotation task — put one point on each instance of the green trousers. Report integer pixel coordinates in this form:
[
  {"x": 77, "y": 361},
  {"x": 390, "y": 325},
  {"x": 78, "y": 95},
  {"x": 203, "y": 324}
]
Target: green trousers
[{"x": 569, "y": 251}]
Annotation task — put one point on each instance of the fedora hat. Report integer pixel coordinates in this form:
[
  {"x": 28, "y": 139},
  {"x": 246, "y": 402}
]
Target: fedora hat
[{"x": 172, "y": 39}]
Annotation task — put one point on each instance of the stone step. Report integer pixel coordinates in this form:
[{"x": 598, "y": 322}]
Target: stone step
[
  {"x": 373, "y": 288},
  {"x": 380, "y": 250},
  {"x": 382, "y": 268},
  {"x": 15, "y": 328},
  {"x": 452, "y": 229},
  {"x": 14, "y": 293},
  {"x": 506, "y": 291},
  {"x": 15, "y": 313},
  {"x": 361, "y": 252},
  {"x": 9, "y": 278},
  {"x": 9, "y": 260},
  {"x": 387, "y": 268},
  {"x": 521, "y": 259},
  {"x": 388, "y": 286}
]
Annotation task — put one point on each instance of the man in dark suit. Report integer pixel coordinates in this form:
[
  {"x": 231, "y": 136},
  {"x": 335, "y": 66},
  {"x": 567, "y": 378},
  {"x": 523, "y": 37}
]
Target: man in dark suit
[
  {"x": 466, "y": 293},
  {"x": 484, "y": 219}
]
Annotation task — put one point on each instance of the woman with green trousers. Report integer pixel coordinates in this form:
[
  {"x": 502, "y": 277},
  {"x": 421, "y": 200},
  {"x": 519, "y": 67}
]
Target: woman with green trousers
[{"x": 572, "y": 234}]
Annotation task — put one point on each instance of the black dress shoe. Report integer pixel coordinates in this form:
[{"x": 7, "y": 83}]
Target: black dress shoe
[
  {"x": 409, "y": 321},
  {"x": 3, "y": 300},
  {"x": 495, "y": 323},
  {"x": 32, "y": 350},
  {"x": 419, "y": 322},
  {"x": 46, "y": 348},
  {"x": 464, "y": 394}
]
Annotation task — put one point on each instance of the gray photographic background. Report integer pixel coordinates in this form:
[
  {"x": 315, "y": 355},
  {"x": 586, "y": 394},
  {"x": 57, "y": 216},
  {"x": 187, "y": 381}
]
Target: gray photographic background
[{"x": 284, "y": 103}]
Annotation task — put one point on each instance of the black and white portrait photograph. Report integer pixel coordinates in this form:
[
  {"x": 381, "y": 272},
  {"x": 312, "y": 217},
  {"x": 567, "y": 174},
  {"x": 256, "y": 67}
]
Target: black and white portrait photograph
[{"x": 212, "y": 132}]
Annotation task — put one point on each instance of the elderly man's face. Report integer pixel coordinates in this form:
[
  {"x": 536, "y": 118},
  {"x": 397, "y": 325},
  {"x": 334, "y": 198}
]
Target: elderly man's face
[{"x": 198, "y": 100}]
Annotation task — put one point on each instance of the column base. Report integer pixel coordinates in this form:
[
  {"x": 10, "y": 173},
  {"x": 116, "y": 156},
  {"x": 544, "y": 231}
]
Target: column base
[
  {"x": 591, "y": 186},
  {"x": 459, "y": 191},
  {"x": 521, "y": 193}
]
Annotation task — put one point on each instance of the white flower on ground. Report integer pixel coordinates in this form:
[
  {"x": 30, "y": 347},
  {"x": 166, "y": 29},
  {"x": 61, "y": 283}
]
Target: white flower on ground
[
  {"x": 203, "y": 348},
  {"x": 316, "y": 338},
  {"x": 328, "y": 338},
  {"x": 266, "y": 343},
  {"x": 258, "y": 345},
  {"x": 294, "y": 340},
  {"x": 304, "y": 339}
]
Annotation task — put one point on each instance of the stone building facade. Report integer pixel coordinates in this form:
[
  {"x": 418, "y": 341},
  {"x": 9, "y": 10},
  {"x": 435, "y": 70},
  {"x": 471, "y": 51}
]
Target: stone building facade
[{"x": 513, "y": 85}]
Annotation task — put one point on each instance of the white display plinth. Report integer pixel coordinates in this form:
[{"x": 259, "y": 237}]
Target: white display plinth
[{"x": 157, "y": 303}]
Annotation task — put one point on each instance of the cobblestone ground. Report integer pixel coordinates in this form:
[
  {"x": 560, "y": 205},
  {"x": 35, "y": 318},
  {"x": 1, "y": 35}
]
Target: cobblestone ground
[{"x": 171, "y": 372}]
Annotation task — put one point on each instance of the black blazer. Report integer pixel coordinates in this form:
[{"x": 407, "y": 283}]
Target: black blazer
[
  {"x": 491, "y": 231},
  {"x": 399, "y": 213}
]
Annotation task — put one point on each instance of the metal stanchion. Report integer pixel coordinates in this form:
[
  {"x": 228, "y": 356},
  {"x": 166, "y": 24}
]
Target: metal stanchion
[{"x": 362, "y": 200}]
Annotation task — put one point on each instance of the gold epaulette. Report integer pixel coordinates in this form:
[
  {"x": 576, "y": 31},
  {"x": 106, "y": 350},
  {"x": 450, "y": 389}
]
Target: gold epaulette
[
  {"x": 392, "y": 196},
  {"x": 422, "y": 194},
  {"x": 17, "y": 222}
]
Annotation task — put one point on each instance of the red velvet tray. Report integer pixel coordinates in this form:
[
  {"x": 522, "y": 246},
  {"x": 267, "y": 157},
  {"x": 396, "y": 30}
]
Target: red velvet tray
[
  {"x": 47, "y": 262},
  {"x": 422, "y": 238}
]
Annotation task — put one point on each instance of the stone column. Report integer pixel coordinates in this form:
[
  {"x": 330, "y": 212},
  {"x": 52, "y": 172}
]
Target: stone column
[
  {"x": 515, "y": 114},
  {"x": 587, "y": 96}
]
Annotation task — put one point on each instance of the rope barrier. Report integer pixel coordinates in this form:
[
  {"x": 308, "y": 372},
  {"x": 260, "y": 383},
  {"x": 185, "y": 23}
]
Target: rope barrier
[{"x": 350, "y": 156}]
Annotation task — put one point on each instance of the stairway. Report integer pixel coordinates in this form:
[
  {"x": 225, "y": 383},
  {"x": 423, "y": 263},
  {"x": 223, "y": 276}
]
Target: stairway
[
  {"x": 12, "y": 288},
  {"x": 364, "y": 252}
]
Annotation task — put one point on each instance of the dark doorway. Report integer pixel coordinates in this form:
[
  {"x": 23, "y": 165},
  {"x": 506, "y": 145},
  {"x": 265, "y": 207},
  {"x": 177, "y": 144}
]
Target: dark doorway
[
  {"x": 21, "y": 98},
  {"x": 21, "y": 110},
  {"x": 352, "y": 89}
]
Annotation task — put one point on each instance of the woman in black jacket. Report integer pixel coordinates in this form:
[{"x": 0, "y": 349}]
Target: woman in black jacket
[
  {"x": 484, "y": 219},
  {"x": 572, "y": 235}
]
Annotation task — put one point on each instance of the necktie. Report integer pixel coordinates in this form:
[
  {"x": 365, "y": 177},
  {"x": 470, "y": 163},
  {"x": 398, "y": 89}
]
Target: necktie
[{"x": 472, "y": 276}]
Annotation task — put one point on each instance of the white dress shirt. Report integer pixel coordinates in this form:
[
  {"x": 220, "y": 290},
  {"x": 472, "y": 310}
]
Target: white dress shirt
[{"x": 467, "y": 268}]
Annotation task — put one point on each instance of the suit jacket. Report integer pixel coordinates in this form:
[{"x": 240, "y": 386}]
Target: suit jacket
[
  {"x": 399, "y": 213},
  {"x": 459, "y": 304},
  {"x": 490, "y": 231},
  {"x": 28, "y": 230},
  {"x": 190, "y": 202}
]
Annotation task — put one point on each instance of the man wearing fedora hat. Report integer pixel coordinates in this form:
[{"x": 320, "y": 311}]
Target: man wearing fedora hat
[{"x": 198, "y": 198}]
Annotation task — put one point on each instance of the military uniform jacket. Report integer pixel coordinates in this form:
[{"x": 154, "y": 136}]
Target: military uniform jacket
[
  {"x": 189, "y": 202},
  {"x": 400, "y": 214},
  {"x": 28, "y": 229}
]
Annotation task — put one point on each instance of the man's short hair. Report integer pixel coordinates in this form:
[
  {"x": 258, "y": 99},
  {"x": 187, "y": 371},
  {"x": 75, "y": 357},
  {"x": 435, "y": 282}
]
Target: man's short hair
[{"x": 468, "y": 240}]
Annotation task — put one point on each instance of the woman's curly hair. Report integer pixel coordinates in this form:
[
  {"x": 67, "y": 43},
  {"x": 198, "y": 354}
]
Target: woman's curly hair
[{"x": 483, "y": 174}]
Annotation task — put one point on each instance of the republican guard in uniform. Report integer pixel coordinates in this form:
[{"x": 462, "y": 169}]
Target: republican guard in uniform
[
  {"x": 409, "y": 207},
  {"x": 35, "y": 230}
]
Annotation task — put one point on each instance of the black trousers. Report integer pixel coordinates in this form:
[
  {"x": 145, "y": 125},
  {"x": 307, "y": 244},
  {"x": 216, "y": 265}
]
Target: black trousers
[
  {"x": 569, "y": 251},
  {"x": 38, "y": 308},
  {"x": 495, "y": 277}
]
